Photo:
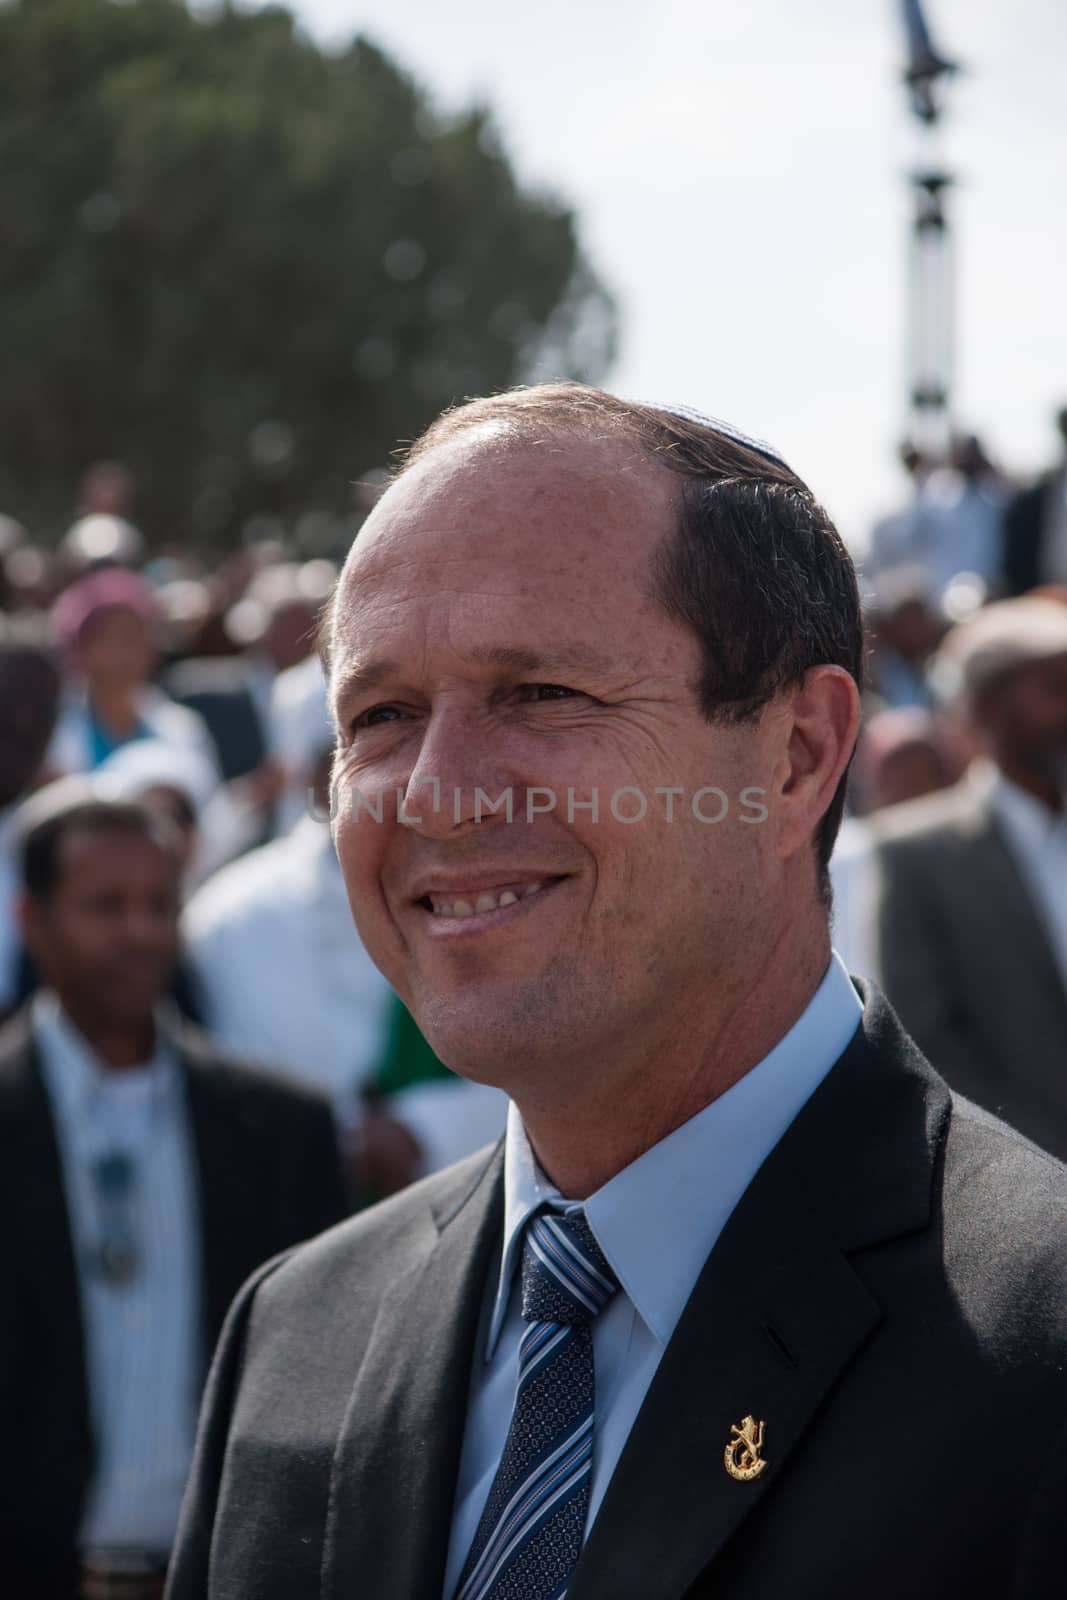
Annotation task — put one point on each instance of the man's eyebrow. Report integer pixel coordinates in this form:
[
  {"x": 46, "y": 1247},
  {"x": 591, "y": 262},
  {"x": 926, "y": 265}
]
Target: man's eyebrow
[
  {"x": 348, "y": 682},
  {"x": 512, "y": 659},
  {"x": 361, "y": 678}
]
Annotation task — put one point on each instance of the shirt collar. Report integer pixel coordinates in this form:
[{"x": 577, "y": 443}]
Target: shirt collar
[
  {"x": 682, "y": 1191},
  {"x": 74, "y": 1075},
  {"x": 1026, "y": 817}
]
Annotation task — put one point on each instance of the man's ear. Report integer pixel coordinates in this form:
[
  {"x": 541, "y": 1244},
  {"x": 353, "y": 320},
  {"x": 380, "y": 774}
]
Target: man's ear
[{"x": 821, "y": 731}]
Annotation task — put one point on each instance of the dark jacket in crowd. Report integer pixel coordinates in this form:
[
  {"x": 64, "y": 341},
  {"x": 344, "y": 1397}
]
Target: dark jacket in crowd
[
  {"x": 1028, "y": 522},
  {"x": 966, "y": 959}
]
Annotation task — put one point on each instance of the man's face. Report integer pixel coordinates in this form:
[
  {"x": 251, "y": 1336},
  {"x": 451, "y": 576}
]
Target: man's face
[
  {"x": 1027, "y": 714},
  {"x": 495, "y": 630},
  {"x": 107, "y": 937}
]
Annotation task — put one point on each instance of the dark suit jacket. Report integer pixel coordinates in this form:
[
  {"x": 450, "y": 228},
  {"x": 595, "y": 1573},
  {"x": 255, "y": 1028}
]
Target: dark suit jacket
[
  {"x": 1027, "y": 522},
  {"x": 269, "y": 1176},
  {"x": 217, "y": 689},
  {"x": 965, "y": 958},
  {"x": 889, "y": 1298}
]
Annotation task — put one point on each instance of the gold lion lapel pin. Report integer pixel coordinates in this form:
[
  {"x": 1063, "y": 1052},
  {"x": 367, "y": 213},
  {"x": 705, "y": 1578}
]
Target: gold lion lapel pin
[{"x": 743, "y": 1455}]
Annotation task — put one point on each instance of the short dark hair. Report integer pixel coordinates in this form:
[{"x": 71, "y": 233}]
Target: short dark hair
[
  {"x": 43, "y": 839},
  {"x": 754, "y": 565}
]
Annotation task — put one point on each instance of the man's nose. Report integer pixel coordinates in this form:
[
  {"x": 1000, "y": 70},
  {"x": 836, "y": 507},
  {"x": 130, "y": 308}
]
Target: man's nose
[
  {"x": 461, "y": 777},
  {"x": 145, "y": 929}
]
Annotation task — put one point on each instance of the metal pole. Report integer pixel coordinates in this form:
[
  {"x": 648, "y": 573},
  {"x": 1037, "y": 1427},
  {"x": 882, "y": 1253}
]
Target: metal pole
[
  {"x": 931, "y": 267},
  {"x": 931, "y": 320}
]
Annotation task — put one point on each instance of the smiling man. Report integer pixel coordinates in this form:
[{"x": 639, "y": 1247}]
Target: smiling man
[{"x": 746, "y": 1303}]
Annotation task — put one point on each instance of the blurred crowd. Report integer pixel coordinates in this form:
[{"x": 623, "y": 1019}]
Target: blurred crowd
[
  {"x": 200, "y": 1066},
  {"x": 950, "y": 873},
  {"x": 171, "y": 908},
  {"x": 196, "y": 689}
]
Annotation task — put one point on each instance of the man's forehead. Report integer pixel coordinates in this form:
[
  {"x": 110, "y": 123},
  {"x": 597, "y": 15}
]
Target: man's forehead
[
  {"x": 478, "y": 517},
  {"x": 496, "y": 478},
  {"x": 107, "y": 850}
]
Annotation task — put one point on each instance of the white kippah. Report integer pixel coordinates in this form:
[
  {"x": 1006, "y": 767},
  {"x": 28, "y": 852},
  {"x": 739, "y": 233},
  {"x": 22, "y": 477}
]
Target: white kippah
[{"x": 690, "y": 414}]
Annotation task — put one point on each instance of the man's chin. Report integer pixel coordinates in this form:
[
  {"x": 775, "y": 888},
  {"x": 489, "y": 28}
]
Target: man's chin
[
  {"x": 134, "y": 1014},
  {"x": 487, "y": 1044}
]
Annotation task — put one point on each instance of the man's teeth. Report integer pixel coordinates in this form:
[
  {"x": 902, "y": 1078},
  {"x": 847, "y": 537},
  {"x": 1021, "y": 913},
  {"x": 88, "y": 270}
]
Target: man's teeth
[{"x": 490, "y": 901}]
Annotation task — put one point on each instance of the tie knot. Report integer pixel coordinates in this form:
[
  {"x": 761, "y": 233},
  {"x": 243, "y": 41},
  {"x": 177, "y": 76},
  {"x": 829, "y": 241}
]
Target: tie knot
[{"x": 565, "y": 1277}]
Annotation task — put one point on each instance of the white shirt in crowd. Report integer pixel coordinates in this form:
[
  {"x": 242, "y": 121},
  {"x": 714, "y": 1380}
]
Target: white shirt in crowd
[
  {"x": 71, "y": 749},
  {"x": 144, "y": 1353},
  {"x": 300, "y": 730},
  {"x": 953, "y": 525},
  {"x": 282, "y": 972}
]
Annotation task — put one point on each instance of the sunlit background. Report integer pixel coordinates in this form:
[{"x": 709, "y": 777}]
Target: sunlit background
[{"x": 739, "y": 173}]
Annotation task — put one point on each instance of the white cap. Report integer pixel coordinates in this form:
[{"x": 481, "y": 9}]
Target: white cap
[{"x": 997, "y": 640}]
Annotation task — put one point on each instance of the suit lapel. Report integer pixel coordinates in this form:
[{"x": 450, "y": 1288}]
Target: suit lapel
[
  {"x": 45, "y": 1226},
  {"x": 226, "y": 1225},
  {"x": 777, "y": 1315},
  {"x": 397, "y": 1460},
  {"x": 734, "y": 1354},
  {"x": 993, "y": 878}
]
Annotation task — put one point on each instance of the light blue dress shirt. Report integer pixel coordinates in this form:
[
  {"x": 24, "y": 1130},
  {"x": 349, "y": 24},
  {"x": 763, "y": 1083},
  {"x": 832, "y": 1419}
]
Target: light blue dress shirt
[
  {"x": 142, "y": 1338},
  {"x": 656, "y": 1222}
]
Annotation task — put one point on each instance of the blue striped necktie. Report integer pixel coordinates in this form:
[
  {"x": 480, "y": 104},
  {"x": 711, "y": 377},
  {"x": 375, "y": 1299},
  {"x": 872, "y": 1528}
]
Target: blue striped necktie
[{"x": 530, "y": 1534}]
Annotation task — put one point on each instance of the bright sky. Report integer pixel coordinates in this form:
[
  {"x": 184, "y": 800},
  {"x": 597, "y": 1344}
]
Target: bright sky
[{"x": 738, "y": 170}]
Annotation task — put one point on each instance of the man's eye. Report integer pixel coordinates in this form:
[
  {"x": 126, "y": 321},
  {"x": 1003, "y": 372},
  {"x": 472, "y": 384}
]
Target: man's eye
[
  {"x": 548, "y": 691},
  {"x": 375, "y": 717}
]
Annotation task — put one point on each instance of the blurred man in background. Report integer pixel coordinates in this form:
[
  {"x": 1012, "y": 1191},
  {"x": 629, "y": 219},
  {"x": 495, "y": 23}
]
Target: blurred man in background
[
  {"x": 902, "y": 755},
  {"x": 960, "y": 516},
  {"x": 1035, "y": 530},
  {"x": 905, "y": 625},
  {"x": 953, "y": 523},
  {"x": 972, "y": 916},
  {"x": 142, "y": 1178},
  {"x": 103, "y": 533}
]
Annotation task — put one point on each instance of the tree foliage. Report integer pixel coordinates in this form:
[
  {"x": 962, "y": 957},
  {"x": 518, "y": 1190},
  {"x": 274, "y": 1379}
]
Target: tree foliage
[{"x": 247, "y": 267}]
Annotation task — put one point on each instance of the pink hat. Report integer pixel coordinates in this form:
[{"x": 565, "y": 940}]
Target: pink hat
[{"x": 108, "y": 586}]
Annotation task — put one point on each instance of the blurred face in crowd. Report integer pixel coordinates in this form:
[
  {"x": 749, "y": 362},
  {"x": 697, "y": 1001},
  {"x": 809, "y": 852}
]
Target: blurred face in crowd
[
  {"x": 29, "y": 688},
  {"x": 1024, "y": 717},
  {"x": 911, "y": 629},
  {"x": 909, "y": 772},
  {"x": 288, "y": 637},
  {"x": 107, "y": 487},
  {"x": 106, "y": 938},
  {"x": 495, "y": 629},
  {"x": 115, "y": 648}
]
